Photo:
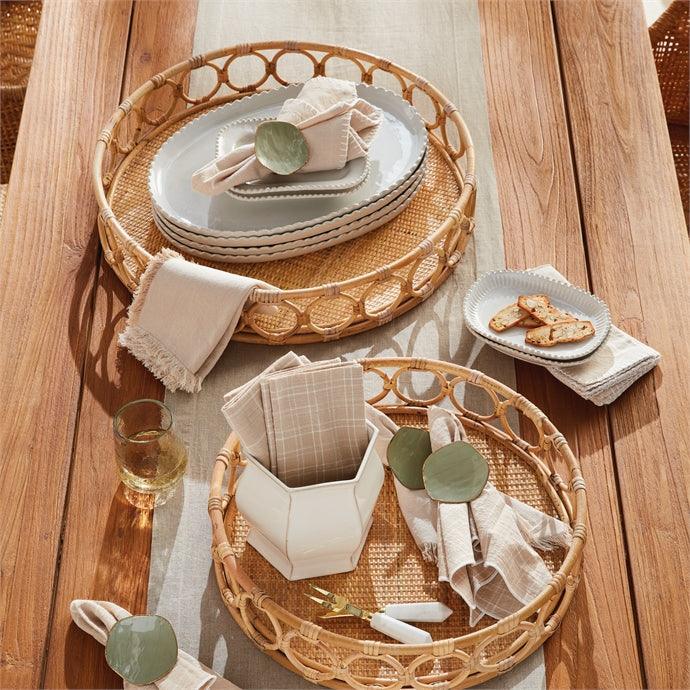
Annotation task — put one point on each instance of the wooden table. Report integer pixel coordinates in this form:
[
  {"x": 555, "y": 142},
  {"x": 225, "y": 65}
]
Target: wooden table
[{"x": 586, "y": 182}]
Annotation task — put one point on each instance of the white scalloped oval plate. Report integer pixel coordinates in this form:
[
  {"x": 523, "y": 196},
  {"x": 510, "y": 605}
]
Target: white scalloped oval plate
[
  {"x": 394, "y": 155},
  {"x": 330, "y": 227},
  {"x": 523, "y": 356},
  {"x": 298, "y": 186},
  {"x": 493, "y": 291},
  {"x": 289, "y": 249}
]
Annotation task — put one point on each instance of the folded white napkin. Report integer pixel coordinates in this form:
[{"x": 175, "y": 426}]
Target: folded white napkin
[
  {"x": 304, "y": 422},
  {"x": 97, "y": 617},
  {"x": 612, "y": 368},
  {"x": 337, "y": 125},
  {"x": 182, "y": 317},
  {"x": 485, "y": 549}
]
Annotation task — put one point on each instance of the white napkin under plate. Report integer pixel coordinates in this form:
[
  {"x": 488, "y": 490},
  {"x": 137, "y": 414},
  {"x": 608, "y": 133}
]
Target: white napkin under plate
[
  {"x": 337, "y": 125},
  {"x": 182, "y": 317},
  {"x": 97, "y": 617},
  {"x": 612, "y": 368},
  {"x": 485, "y": 549}
]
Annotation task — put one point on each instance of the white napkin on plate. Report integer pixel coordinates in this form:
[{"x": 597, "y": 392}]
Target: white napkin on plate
[
  {"x": 612, "y": 368},
  {"x": 485, "y": 549},
  {"x": 337, "y": 125},
  {"x": 97, "y": 617},
  {"x": 182, "y": 317}
]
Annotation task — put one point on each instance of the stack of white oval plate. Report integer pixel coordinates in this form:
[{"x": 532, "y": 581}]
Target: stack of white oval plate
[
  {"x": 498, "y": 289},
  {"x": 281, "y": 217}
]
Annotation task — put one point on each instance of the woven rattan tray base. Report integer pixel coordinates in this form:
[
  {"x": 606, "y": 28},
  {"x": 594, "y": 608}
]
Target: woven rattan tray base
[
  {"x": 130, "y": 202},
  {"x": 329, "y": 294},
  {"x": 391, "y": 568}
]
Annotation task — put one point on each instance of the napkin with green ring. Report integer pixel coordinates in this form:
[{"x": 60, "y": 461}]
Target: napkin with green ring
[
  {"x": 97, "y": 618},
  {"x": 336, "y": 124},
  {"x": 485, "y": 549}
]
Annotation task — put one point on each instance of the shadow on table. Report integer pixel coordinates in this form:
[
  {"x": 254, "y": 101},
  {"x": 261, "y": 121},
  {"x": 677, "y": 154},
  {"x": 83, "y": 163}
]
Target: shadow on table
[
  {"x": 118, "y": 578},
  {"x": 111, "y": 375}
]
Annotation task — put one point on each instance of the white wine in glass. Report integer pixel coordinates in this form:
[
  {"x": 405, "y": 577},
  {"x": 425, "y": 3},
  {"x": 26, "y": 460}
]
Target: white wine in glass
[{"x": 151, "y": 458}]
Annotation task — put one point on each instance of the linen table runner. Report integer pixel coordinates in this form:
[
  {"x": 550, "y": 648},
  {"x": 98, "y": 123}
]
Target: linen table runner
[{"x": 441, "y": 41}]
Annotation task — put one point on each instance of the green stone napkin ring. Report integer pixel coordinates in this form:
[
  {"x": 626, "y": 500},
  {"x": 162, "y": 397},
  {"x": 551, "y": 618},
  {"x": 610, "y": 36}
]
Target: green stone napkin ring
[
  {"x": 141, "y": 649},
  {"x": 456, "y": 473},
  {"x": 280, "y": 147},
  {"x": 407, "y": 451}
]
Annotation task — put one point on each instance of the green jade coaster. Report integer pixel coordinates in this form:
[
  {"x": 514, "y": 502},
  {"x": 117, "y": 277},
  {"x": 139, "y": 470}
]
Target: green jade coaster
[
  {"x": 406, "y": 453},
  {"x": 141, "y": 649},
  {"x": 456, "y": 473}
]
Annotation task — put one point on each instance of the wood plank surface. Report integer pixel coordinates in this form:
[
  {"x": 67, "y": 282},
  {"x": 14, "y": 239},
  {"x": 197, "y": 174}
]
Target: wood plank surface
[
  {"x": 595, "y": 647},
  {"x": 640, "y": 263},
  {"x": 48, "y": 267},
  {"x": 107, "y": 542}
]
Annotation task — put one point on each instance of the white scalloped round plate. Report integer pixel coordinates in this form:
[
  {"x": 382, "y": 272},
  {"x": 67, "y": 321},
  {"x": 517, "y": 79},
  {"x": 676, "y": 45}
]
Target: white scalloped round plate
[
  {"x": 299, "y": 185},
  {"x": 493, "y": 291},
  {"x": 394, "y": 154}
]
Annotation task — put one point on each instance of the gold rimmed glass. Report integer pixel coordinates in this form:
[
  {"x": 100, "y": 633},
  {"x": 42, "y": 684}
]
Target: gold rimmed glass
[{"x": 151, "y": 458}]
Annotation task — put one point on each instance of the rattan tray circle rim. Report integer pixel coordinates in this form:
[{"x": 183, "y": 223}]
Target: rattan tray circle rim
[
  {"x": 454, "y": 231},
  {"x": 238, "y": 589}
]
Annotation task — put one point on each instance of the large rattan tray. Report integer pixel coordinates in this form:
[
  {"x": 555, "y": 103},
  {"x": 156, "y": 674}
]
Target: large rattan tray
[
  {"x": 326, "y": 295},
  {"x": 275, "y": 614}
]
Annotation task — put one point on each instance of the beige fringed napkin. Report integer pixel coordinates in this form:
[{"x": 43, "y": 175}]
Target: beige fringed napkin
[
  {"x": 612, "y": 368},
  {"x": 182, "y": 317},
  {"x": 485, "y": 549},
  {"x": 337, "y": 125},
  {"x": 97, "y": 617},
  {"x": 305, "y": 422}
]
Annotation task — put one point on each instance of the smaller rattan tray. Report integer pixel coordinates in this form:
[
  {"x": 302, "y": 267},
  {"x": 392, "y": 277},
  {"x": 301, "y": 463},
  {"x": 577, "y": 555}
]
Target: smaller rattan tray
[
  {"x": 275, "y": 614},
  {"x": 331, "y": 293}
]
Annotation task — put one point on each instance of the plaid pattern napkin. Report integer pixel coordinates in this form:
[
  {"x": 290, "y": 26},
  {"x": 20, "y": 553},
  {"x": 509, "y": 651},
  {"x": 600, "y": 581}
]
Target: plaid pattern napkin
[
  {"x": 304, "y": 422},
  {"x": 485, "y": 549},
  {"x": 315, "y": 422},
  {"x": 244, "y": 409}
]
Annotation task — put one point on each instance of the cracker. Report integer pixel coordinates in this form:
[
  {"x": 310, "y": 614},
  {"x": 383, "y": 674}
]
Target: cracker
[
  {"x": 564, "y": 332},
  {"x": 540, "y": 307},
  {"x": 507, "y": 318}
]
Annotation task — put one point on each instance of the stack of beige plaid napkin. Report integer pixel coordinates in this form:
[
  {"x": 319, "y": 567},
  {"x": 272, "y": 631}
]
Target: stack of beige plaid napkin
[
  {"x": 485, "y": 549},
  {"x": 304, "y": 422}
]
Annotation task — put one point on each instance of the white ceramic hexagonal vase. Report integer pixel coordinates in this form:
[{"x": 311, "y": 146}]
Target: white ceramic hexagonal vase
[{"x": 315, "y": 530}]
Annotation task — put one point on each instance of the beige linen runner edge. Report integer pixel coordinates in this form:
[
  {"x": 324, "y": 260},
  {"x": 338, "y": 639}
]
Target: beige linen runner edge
[{"x": 442, "y": 42}]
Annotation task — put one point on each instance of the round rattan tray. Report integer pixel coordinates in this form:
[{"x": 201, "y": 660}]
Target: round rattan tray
[
  {"x": 276, "y": 615},
  {"x": 328, "y": 294}
]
